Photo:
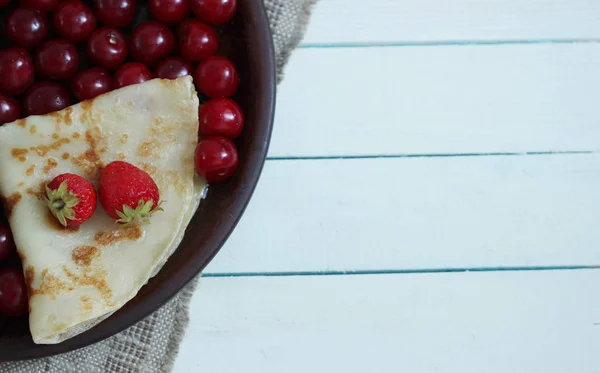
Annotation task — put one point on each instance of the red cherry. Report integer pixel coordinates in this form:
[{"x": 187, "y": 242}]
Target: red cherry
[
  {"x": 107, "y": 47},
  {"x": 173, "y": 68},
  {"x": 43, "y": 5},
  {"x": 131, "y": 73},
  {"x": 169, "y": 11},
  {"x": 74, "y": 20},
  {"x": 56, "y": 59},
  {"x": 216, "y": 159},
  {"x": 91, "y": 83},
  {"x": 7, "y": 245},
  {"x": 13, "y": 292},
  {"x": 221, "y": 116},
  {"x": 4, "y": 3},
  {"x": 150, "y": 42},
  {"x": 45, "y": 97},
  {"x": 115, "y": 13},
  {"x": 9, "y": 112},
  {"x": 16, "y": 71},
  {"x": 217, "y": 77},
  {"x": 216, "y": 12},
  {"x": 197, "y": 40},
  {"x": 26, "y": 27}
]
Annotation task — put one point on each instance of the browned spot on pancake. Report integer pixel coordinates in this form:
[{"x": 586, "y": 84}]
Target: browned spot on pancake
[
  {"x": 149, "y": 168},
  {"x": 92, "y": 137},
  {"x": 65, "y": 155},
  {"x": 83, "y": 255},
  {"x": 145, "y": 149},
  {"x": 68, "y": 120},
  {"x": 124, "y": 138},
  {"x": 53, "y": 223},
  {"x": 171, "y": 179},
  {"x": 30, "y": 170},
  {"x": 20, "y": 154},
  {"x": 50, "y": 164},
  {"x": 121, "y": 156},
  {"x": 76, "y": 135},
  {"x": 43, "y": 150},
  {"x": 50, "y": 285},
  {"x": 86, "y": 105},
  {"x": 86, "y": 303},
  {"x": 21, "y": 184},
  {"x": 32, "y": 129},
  {"x": 10, "y": 202},
  {"x": 38, "y": 193},
  {"x": 23, "y": 257},
  {"x": 89, "y": 161},
  {"x": 96, "y": 279},
  {"x": 21, "y": 123},
  {"x": 88, "y": 115},
  {"x": 132, "y": 233},
  {"x": 57, "y": 115},
  {"x": 29, "y": 279},
  {"x": 58, "y": 327},
  {"x": 162, "y": 134},
  {"x": 55, "y": 136},
  {"x": 83, "y": 118}
]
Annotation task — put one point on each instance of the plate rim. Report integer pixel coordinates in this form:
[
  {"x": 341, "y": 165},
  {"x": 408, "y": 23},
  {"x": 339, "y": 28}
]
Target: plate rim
[{"x": 178, "y": 280}]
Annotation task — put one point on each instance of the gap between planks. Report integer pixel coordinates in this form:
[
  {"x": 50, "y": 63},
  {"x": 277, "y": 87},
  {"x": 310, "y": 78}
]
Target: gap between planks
[
  {"x": 312, "y": 158},
  {"x": 445, "y": 43},
  {"x": 399, "y": 271}
]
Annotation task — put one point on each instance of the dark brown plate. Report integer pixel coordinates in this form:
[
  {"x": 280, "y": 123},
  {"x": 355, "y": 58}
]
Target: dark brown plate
[{"x": 247, "y": 40}]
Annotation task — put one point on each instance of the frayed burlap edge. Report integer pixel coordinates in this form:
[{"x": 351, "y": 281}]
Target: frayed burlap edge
[
  {"x": 293, "y": 42},
  {"x": 182, "y": 319}
]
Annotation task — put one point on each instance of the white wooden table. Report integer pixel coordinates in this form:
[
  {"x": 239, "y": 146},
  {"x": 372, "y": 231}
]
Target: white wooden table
[{"x": 431, "y": 202}]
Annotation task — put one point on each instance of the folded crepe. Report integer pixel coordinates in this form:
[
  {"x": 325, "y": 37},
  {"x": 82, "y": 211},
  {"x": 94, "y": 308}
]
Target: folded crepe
[{"x": 76, "y": 277}]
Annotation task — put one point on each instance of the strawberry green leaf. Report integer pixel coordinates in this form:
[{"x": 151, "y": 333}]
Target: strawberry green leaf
[
  {"x": 141, "y": 214},
  {"x": 61, "y": 201}
]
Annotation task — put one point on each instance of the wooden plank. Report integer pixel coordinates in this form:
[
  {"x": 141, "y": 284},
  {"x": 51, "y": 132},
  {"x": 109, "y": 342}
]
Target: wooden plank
[
  {"x": 336, "y": 21},
  {"x": 453, "y": 99},
  {"x": 540, "y": 321},
  {"x": 371, "y": 214}
]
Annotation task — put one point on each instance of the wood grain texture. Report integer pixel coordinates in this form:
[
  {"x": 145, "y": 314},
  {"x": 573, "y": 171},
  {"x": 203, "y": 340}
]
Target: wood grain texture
[
  {"x": 343, "y": 21},
  {"x": 419, "y": 213},
  {"x": 451, "y": 99},
  {"x": 497, "y": 322},
  {"x": 398, "y": 77}
]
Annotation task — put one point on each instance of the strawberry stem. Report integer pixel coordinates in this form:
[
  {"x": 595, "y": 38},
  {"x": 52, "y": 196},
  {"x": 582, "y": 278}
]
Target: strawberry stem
[{"x": 59, "y": 204}]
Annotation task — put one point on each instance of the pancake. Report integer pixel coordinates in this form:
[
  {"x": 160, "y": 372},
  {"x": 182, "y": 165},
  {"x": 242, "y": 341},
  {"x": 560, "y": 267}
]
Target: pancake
[{"x": 76, "y": 277}]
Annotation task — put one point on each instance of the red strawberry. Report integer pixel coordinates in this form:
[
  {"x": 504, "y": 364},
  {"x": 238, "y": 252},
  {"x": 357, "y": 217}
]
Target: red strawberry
[
  {"x": 127, "y": 193},
  {"x": 71, "y": 199}
]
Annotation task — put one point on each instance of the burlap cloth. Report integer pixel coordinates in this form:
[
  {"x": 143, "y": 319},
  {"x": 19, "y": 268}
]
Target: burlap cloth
[{"x": 152, "y": 344}]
